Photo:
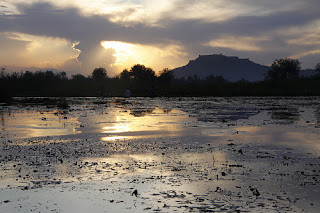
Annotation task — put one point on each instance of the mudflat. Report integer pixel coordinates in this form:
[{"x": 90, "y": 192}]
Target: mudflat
[{"x": 238, "y": 154}]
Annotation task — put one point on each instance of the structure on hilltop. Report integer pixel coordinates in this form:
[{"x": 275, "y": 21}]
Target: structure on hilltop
[{"x": 231, "y": 68}]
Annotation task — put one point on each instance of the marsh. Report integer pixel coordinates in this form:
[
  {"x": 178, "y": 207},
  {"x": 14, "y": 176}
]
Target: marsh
[{"x": 237, "y": 154}]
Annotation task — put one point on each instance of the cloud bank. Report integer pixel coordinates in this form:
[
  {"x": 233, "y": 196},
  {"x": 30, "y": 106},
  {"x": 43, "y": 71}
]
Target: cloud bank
[{"x": 68, "y": 34}]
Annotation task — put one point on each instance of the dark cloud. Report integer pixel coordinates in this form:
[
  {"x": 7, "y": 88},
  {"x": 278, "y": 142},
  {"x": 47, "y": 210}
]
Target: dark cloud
[
  {"x": 198, "y": 30},
  {"x": 311, "y": 60},
  {"x": 45, "y": 19}
]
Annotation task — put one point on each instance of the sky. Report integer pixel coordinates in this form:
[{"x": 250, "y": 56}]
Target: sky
[{"x": 79, "y": 35}]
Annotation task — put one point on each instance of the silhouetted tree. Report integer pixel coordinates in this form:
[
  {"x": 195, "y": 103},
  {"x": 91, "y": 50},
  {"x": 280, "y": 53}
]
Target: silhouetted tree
[
  {"x": 78, "y": 77},
  {"x": 63, "y": 75},
  {"x": 284, "y": 69},
  {"x": 2, "y": 72},
  {"x": 28, "y": 76},
  {"x": 317, "y": 68},
  {"x": 3, "y": 85},
  {"x": 165, "y": 76},
  {"x": 48, "y": 75},
  {"x": 142, "y": 73},
  {"x": 99, "y": 73},
  {"x": 125, "y": 75}
]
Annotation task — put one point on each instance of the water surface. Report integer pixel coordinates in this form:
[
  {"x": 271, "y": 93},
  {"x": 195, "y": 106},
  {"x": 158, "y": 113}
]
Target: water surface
[{"x": 180, "y": 154}]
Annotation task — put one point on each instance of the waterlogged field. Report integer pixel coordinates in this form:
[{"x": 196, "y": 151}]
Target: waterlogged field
[{"x": 160, "y": 155}]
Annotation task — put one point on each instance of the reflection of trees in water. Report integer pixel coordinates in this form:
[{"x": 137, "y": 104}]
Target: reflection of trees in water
[
  {"x": 2, "y": 121},
  {"x": 3, "y": 115},
  {"x": 141, "y": 112},
  {"x": 225, "y": 113},
  {"x": 284, "y": 115},
  {"x": 144, "y": 112}
]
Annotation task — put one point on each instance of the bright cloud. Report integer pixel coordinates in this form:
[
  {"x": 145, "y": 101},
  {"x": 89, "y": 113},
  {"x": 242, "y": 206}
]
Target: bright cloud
[
  {"x": 122, "y": 51},
  {"x": 39, "y": 51},
  {"x": 238, "y": 43}
]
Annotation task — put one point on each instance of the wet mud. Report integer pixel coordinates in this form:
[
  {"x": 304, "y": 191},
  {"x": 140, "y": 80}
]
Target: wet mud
[{"x": 161, "y": 155}]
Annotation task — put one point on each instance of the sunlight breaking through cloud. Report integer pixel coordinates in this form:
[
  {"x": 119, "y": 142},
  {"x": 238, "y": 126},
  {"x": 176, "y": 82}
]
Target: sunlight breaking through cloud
[
  {"x": 122, "y": 51},
  {"x": 130, "y": 54}
]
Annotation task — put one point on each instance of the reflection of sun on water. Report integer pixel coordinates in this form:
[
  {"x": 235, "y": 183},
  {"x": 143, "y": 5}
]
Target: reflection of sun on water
[
  {"x": 121, "y": 126},
  {"x": 113, "y": 138},
  {"x": 118, "y": 128},
  {"x": 155, "y": 124}
]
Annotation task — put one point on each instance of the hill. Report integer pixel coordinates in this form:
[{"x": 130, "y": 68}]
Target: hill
[{"x": 230, "y": 67}]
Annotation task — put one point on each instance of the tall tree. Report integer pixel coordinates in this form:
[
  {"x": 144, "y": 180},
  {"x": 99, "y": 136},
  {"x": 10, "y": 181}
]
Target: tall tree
[
  {"x": 286, "y": 68},
  {"x": 125, "y": 75},
  {"x": 142, "y": 73},
  {"x": 99, "y": 73}
]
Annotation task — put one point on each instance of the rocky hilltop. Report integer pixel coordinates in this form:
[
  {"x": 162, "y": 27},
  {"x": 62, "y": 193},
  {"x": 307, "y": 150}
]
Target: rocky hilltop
[{"x": 231, "y": 68}]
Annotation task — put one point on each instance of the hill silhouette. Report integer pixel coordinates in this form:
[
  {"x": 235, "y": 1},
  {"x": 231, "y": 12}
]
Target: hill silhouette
[{"x": 231, "y": 68}]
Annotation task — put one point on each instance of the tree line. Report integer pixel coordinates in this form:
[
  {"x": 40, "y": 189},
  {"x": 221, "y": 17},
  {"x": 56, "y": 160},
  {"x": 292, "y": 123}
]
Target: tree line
[
  {"x": 140, "y": 79},
  {"x": 282, "y": 79}
]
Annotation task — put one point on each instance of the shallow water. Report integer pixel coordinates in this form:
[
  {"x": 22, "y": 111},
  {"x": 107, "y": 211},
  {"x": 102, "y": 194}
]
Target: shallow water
[{"x": 179, "y": 154}]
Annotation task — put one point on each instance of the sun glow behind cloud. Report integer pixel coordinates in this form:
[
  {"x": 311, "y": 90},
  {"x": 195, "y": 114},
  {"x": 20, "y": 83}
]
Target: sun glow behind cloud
[
  {"x": 122, "y": 51},
  {"x": 128, "y": 54}
]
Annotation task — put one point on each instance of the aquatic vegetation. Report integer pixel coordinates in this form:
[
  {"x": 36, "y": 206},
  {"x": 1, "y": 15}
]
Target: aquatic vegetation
[{"x": 163, "y": 154}]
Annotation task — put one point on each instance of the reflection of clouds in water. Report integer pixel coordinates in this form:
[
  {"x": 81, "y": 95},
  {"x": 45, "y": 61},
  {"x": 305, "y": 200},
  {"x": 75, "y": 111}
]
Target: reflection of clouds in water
[
  {"x": 153, "y": 117},
  {"x": 38, "y": 123},
  {"x": 93, "y": 119},
  {"x": 222, "y": 110},
  {"x": 191, "y": 165},
  {"x": 281, "y": 135},
  {"x": 285, "y": 115}
]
